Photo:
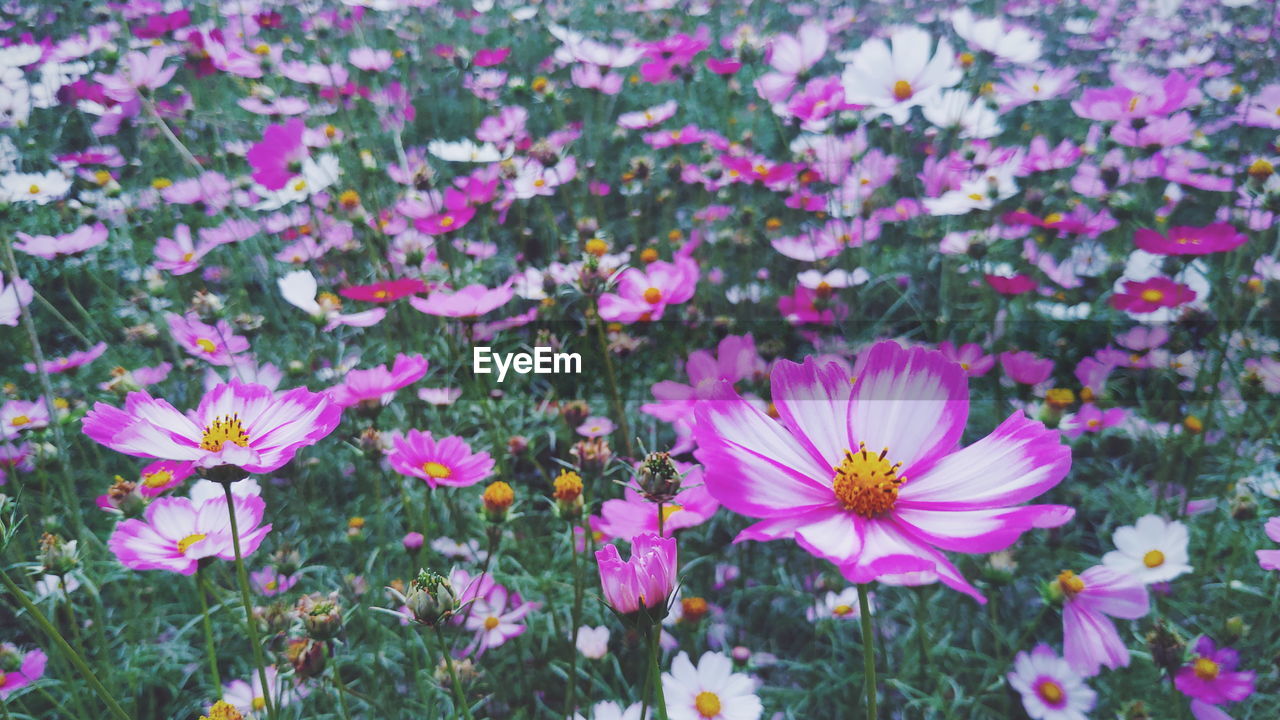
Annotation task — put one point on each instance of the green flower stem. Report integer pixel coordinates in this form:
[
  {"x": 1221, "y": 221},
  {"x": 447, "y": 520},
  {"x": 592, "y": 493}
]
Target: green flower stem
[
  {"x": 612, "y": 377},
  {"x": 201, "y": 582},
  {"x": 460, "y": 697},
  {"x": 655, "y": 670},
  {"x": 868, "y": 651},
  {"x": 575, "y": 622},
  {"x": 113, "y": 707},
  {"x": 251, "y": 625}
]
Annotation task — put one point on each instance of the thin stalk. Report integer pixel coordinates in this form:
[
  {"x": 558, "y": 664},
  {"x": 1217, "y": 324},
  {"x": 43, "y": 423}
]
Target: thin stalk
[
  {"x": 208, "y": 629},
  {"x": 868, "y": 651},
  {"x": 460, "y": 698},
  {"x": 113, "y": 707},
  {"x": 612, "y": 378},
  {"x": 655, "y": 671},
  {"x": 575, "y": 622},
  {"x": 251, "y": 625},
  {"x": 341, "y": 691}
]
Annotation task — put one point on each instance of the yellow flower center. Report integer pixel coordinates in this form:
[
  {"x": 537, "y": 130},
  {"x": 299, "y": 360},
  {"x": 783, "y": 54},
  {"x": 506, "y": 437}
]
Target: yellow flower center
[
  {"x": 490, "y": 623},
  {"x": 436, "y": 470},
  {"x": 1133, "y": 102},
  {"x": 975, "y": 197},
  {"x": 225, "y": 429},
  {"x": 223, "y": 710},
  {"x": 272, "y": 585},
  {"x": 447, "y": 221},
  {"x": 1206, "y": 669},
  {"x": 259, "y": 703},
  {"x": 187, "y": 257},
  {"x": 206, "y": 345},
  {"x": 902, "y": 90},
  {"x": 539, "y": 182},
  {"x": 1153, "y": 559},
  {"x": 842, "y": 610},
  {"x": 1152, "y": 295},
  {"x": 34, "y": 189},
  {"x": 1052, "y": 218},
  {"x": 159, "y": 478},
  {"x": 867, "y": 484},
  {"x": 300, "y": 185},
  {"x": 19, "y": 421},
  {"x": 596, "y": 246},
  {"x": 707, "y": 704},
  {"x": 188, "y": 541},
  {"x": 652, "y": 296},
  {"x": 1050, "y": 692},
  {"x": 381, "y": 294},
  {"x": 1070, "y": 583}
]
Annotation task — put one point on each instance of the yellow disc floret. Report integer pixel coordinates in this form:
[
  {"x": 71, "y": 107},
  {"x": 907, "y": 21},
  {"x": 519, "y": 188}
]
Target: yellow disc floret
[{"x": 867, "y": 484}]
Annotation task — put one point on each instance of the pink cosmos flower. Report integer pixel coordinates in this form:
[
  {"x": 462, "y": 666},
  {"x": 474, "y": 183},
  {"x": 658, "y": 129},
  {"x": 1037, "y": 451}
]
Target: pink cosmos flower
[
  {"x": 137, "y": 71},
  {"x": 215, "y": 344},
  {"x": 250, "y": 699},
  {"x": 456, "y": 213},
  {"x": 791, "y": 56},
  {"x": 1263, "y": 109},
  {"x": 448, "y": 461},
  {"x": 1011, "y": 284},
  {"x": 163, "y": 475},
  {"x": 236, "y": 423},
  {"x": 632, "y": 515},
  {"x": 735, "y": 359},
  {"x": 643, "y": 295},
  {"x": 595, "y": 426},
  {"x": 370, "y": 59},
  {"x": 17, "y": 416},
  {"x": 1050, "y": 689},
  {"x": 816, "y": 476},
  {"x": 1090, "y": 419},
  {"x": 70, "y": 362},
  {"x": 469, "y": 302},
  {"x": 648, "y": 118},
  {"x": 14, "y": 295},
  {"x": 1090, "y": 639},
  {"x": 301, "y": 290},
  {"x": 1270, "y": 559},
  {"x": 664, "y": 57},
  {"x": 973, "y": 360},
  {"x": 378, "y": 385},
  {"x": 179, "y": 255},
  {"x": 488, "y": 57},
  {"x": 811, "y": 307},
  {"x": 1218, "y": 237},
  {"x": 496, "y": 618},
  {"x": 1026, "y": 367},
  {"x": 270, "y": 582},
  {"x": 15, "y": 456},
  {"x": 384, "y": 291},
  {"x": 26, "y": 668},
  {"x": 1146, "y": 296},
  {"x": 645, "y": 581},
  {"x": 178, "y": 533},
  {"x": 1211, "y": 678},
  {"x": 1137, "y": 95},
  {"x": 278, "y": 156},
  {"x": 50, "y": 247}
]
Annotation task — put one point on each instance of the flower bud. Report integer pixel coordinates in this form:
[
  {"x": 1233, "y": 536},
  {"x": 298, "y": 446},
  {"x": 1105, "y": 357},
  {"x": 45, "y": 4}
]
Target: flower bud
[
  {"x": 497, "y": 500},
  {"x": 568, "y": 494},
  {"x": 1236, "y": 629},
  {"x": 1166, "y": 646},
  {"x": 517, "y": 445},
  {"x": 413, "y": 541},
  {"x": 58, "y": 556},
  {"x": 306, "y": 656},
  {"x": 592, "y": 454},
  {"x": 658, "y": 477},
  {"x": 124, "y": 496},
  {"x": 431, "y": 598},
  {"x": 574, "y": 412},
  {"x": 321, "y": 615}
]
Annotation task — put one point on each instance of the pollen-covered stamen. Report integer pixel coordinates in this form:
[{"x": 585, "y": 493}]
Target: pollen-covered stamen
[
  {"x": 652, "y": 296},
  {"x": 225, "y": 429},
  {"x": 707, "y": 704},
  {"x": 436, "y": 470},
  {"x": 157, "y": 479},
  {"x": 1050, "y": 692},
  {"x": 206, "y": 345},
  {"x": 188, "y": 541},
  {"x": 491, "y": 622},
  {"x": 1070, "y": 583},
  {"x": 867, "y": 484},
  {"x": 902, "y": 90},
  {"x": 1153, "y": 559},
  {"x": 1205, "y": 669}
]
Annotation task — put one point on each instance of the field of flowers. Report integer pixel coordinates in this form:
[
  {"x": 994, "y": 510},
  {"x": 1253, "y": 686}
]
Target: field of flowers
[{"x": 630, "y": 359}]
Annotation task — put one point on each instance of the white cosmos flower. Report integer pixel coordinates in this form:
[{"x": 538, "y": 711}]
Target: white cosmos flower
[
  {"x": 1050, "y": 689},
  {"x": 317, "y": 174},
  {"x": 20, "y": 55},
  {"x": 814, "y": 279},
  {"x": 1015, "y": 44},
  {"x": 593, "y": 643},
  {"x": 893, "y": 77},
  {"x": 710, "y": 691},
  {"x": 299, "y": 289},
  {"x": 464, "y": 151},
  {"x": 613, "y": 711},
  {"x": 959, "y": 109},
  {"x": 1152, "y": 550},
  {"x": 39, "y": 188}
]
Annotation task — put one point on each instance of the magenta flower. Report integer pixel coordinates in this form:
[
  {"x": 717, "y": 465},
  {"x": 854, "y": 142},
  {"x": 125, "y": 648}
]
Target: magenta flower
[
  {"x": 643, "y": 295},
  {"x": 26, "y": 668},
  {"x": 457, "y": 212},
  {"x": 645, "y": 581},
  {"x": 1137, "y": 95},
  {"x": 136, "y": 71},
  {"x": 1218, "y": 237},
  {"x": 1146, "y": 296},
  {"x": 50, "y": 247},
  {"x": 179, "y": 254},
  {"x": 735, "y": 359},
  {"x": 269, "y": 582},
  {"x": 163, "y": 475},
  {"x": 278, "y": 156},
  {"x": 215, "y": 344},
  {"x": 1090, "y": 639},
  {"x": 1026, "y": 367},
  {"x": 811, "y": 307},
  {"x": 70, "y": 362},
  {"x": 471, "y": 301},
  {"x": 178, "y": 533},
  {"x": 448, "y": 461},
  {"x": 1212, "y": 678},
  {"x": 236, "y": 423},
  {"x": 496, "y": 617},
  {"x": 378, "y": 385},
  {"x": 817, "y": 476},
  {"x": 1270, "y": 559},
  {"x": 972, "y": 358},
  {"x": 1090, "y": 419},
  {"x": 633, "y": 515}
]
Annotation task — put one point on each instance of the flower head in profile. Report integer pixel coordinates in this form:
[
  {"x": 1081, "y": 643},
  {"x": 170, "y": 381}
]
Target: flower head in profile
[
  {"x": 15, "y": 294},
  {"x": 19, "y": 669},
  {"x": 239, "y": 424},
  {"x": 378, "y": 385},
  {"x": 50, "y": 247},
  {"x": 709, "y": 691},
  {"x": 1270, "y": 559},
  {"x": 866, "y": 471},
  {"x": 1218, "y": 237},
  {"x": 1152, "y": 550},
  {"x": 177, "y": 533},
  {"x": 1090, "y": 599},
  {"x": 643, "y": 583},
  {"x": 447, "y": 461},
  {"x": 1050, "y": 689},
  {"x": 215, "y": 344},
  {"x": 468, "y": 302}
]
